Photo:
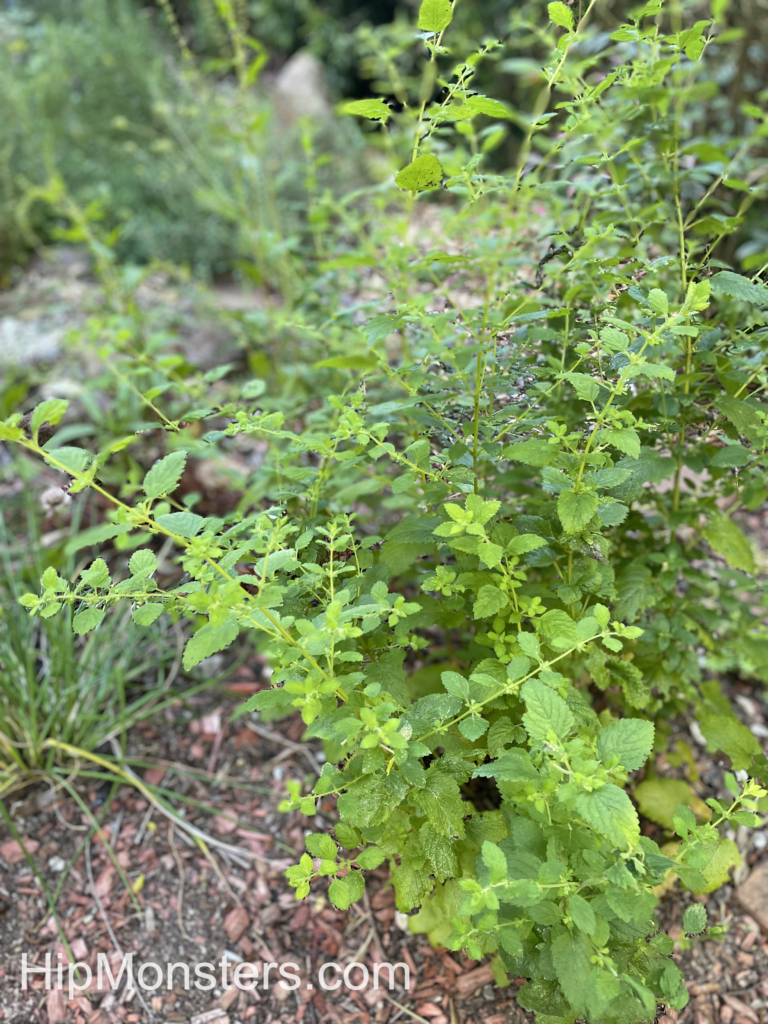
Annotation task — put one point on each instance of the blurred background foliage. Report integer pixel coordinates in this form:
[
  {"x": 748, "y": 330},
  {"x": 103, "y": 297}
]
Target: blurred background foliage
[{"x": 134, "y": 108}]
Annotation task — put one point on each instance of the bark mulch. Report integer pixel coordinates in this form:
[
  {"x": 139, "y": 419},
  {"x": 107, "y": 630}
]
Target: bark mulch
[{"x": 193, "y": 902}]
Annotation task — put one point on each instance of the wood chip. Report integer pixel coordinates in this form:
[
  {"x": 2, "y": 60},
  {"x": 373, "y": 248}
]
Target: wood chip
[
  {"x": 753, "y": 895},
  {"x": 13, "y": 853},
  {"x": 468, "y": 983},
  {"x": 235, "y": 923}
]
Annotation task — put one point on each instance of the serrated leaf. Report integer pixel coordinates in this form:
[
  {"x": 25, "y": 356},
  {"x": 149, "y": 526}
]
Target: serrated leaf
[
  {"x": 50, "y": 411},
  {"x": 534, "y": 452},
  {"x": 631, "y": 740},
  {"x": 209, "y": 640},
  {"x": 183, "y": 524},
  {"x": 146, "y": 614},
  {"x": 349, "y": 838},
  {"x": 425, "y": 173},
  {"x": 440, "y": 852},
  {"x": 738, "y": 287},
  {"x": 546, "y": 712},
  {"x": 375, "y": 110},
  {"x": 576, "y": 509},
  {"x": 87, "y": 620},
  {"x": 440, "y": 799},
  {"x": 512, "y": 766},
  {"x": 322, "y": 846},
  {"x": 473, "y": 727},
  {"x": 725, "y": 537},
  {"x": 495, "y": 861},
  {"x": 694, "y": 919},
  {"x": 610, "y": 812},
  {"x": 658, "y": 799},
  {"x": 490, "y": 601},
  {"x": 571, "y": 959},
  {"x": 743, "y": 415},
  {"x": 723, "y": 731},
  {"x": 435, "y": 15},
  {"x": 626, "y": 439},
  {"x": 658, "y": 301},
  {"x": 142, "y": 563},
  {"x": 560, "y": 15},
  {"x": 164, "y": 476},
  {"x": 582, "y": 914}
]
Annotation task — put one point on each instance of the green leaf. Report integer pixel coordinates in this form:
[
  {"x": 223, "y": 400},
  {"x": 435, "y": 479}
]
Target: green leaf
[
  {"x": 440, "y": 799},
  {"x": 576, "y": 509},
  {"x": 571, "y": 960},
  {"x": 513, "y": 766},
  {"x": 349, "y": 838},
  {"x": 694, "y": 919},
  {"x": 495, "y": 861},
  {"x": 425, "y": 173},
  {"x": 582, "y": 914},
  {"x": 626, "y": 439},
  {"x": 209, "y": 640},
  {"x": 343, "y": 892},
  {"x": 557, "y": 624},
  {"x": 744, "y": 416},
  {"x": 738, "y": 287},
  {"x": 183, "y": 524},
  {"x": 534, "y": 452},
  {"x": 631, "y": 740},
  {"x": 164, "y": 475},
  {"x": 50, "y": 411},
  {"x": 322, "y": 846},
  {"x": 723, "y": 731},
  {"x": 658, "y": 301},
  {"x": 76, "y": 460},
  {"x": 146, "y": 614},
  {"x": 473, "y": 727},
  {"x": 435, "y": 15},
  {"x": 560, "y": 15},
  {"x": 143, "y": 563},
  {"x": 490, "y": 601},
  {"x": 97, "y": 574},
  {"x": 546, "y": 712},
  {"x": 266, "y": 700},
  {"x": 87, "y": 620},
  {"x": 440, "y": 852},
  {"x": 95, "y": 535},
  {"x": 375, "y": 110},
  {"x": 653, "y": 370},
  {"x": 726, "y": 538},
  {"x": 610, "y": 812},
  {"x": 658, "y": 800}
]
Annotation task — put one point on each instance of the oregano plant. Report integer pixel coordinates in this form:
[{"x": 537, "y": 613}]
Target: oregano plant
[{"x": 492, "y": 541}]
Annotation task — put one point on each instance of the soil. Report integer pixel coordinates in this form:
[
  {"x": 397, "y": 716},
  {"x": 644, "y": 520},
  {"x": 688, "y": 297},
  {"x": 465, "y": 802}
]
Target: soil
[{"x": 236, "y": 903}]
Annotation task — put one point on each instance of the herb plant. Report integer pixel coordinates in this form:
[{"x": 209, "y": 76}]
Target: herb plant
[{"x": 492, "y": 542}]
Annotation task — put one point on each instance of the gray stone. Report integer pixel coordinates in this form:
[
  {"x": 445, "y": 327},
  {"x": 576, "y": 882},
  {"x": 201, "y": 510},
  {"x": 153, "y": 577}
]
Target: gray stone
[
  {"x": 300, "y": 88},
  {"x": 23, "y": 342}
]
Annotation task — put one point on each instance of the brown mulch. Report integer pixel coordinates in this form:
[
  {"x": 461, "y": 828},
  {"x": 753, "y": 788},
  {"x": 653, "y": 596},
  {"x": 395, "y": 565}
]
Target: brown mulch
[
  {"x": 237, "y": 906},
  {"x": 240, "y": 907}
]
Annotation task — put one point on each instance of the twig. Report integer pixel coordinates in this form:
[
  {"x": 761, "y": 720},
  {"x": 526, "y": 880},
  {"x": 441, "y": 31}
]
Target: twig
[
  {"x": 180, "y": 869},
  {"x": 275, "y": 737},
  {"x": 193, "y": 830},
  {"x": 364, "y": 947},
  {"x": 143, "y": 825},
  {"x": 404, "y": 1009},
  {"x": 105, "y": 919}
]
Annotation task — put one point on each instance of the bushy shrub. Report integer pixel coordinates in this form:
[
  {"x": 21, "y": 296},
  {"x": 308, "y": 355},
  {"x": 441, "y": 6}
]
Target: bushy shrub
[{"x": 490, "y": 537}]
